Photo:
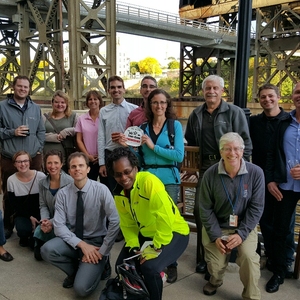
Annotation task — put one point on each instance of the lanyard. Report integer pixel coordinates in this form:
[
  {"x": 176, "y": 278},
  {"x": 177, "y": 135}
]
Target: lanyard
[{"x": 237, "y": 195}]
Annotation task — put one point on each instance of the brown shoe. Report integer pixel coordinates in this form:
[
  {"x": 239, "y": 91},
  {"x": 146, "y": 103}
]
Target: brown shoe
[{"x": 210, "y": 289}]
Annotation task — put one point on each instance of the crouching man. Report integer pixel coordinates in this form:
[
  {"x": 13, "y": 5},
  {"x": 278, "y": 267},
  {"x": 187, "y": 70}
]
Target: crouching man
[
  {"x": 83, "y": 241},
  {"x": 231, "y": 204}
]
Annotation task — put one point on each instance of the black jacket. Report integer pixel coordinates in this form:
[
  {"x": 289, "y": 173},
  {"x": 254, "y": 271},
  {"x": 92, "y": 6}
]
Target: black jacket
[
  {"x": 262, "y": 129},
  {"x": 276, "y": 161}
]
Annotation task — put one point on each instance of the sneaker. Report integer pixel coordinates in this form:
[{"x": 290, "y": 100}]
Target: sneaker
[
  {"x": 164, "y": 277},
  {"x": 107, "y": 271},
  {"x": 171, "y": 274},
  {"x": 210, "y": 289},
  {"x": 69, "y": 281}
]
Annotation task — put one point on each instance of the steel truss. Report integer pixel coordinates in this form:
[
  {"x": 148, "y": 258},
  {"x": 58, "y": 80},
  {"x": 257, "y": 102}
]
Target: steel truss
[
  {"x": 273, "y": 49},
  {"x": 75, "y": 57}
]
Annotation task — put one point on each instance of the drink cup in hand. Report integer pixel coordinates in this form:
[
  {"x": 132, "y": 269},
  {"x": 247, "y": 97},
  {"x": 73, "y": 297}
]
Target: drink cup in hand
[
  {"x": 25, "y": 130},
  {"x": 224, "y": 240}
]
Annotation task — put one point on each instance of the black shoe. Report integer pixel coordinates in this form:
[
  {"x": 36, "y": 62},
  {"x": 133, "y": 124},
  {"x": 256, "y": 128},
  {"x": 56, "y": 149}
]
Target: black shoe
[
  {"x": 69, "y": 281},
  {"x": 6, "y": 256},
  {"x": 8, "y": 233},
  {"x": 107, "y": 271},
  {"x": 273, "y": 284},
  {"x": 119, "y": 237},
  {"x": 24, "y": 242},
  {"x": 37, "y": 253},
  {"x": 289, "y": 272},
  {"x": 207, "y": 276},
  {"x": 171, "y": 274},
  {"x": 201, "y": 267}
]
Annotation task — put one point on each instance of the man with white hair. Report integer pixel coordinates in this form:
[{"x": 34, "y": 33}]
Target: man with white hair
[
  {"x": 206, "y": 124},
  {"x": 232, "y": 202}
]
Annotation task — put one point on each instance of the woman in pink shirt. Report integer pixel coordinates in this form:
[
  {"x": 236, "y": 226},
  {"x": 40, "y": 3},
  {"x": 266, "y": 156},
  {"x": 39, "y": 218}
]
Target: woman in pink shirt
[{"x": 87, "y": 131}]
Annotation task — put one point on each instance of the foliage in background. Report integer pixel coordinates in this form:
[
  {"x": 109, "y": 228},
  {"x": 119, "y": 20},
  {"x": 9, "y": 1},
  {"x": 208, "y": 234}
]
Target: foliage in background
[
  {"x": 150, "y": 65},
  {"x": 174, "y": 64}
]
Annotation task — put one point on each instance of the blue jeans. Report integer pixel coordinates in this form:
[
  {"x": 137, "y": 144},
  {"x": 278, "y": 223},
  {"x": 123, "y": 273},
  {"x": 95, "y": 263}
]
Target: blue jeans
[
  {"x": 23, "y": 227},
  {"x": 266, "y": 225},
  {"x": 283, "y": 212},
  {"x": 173, "y": 191},
  {"x": 2, "y": 235}
]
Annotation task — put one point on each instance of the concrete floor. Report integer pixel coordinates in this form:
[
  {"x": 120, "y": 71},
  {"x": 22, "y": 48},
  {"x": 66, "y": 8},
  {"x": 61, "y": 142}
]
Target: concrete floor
[{"x": 27, "y": 279}]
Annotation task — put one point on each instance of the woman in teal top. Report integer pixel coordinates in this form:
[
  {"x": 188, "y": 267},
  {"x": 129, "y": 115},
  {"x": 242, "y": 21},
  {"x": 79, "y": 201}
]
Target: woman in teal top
[{"x": 160, "y": 152}]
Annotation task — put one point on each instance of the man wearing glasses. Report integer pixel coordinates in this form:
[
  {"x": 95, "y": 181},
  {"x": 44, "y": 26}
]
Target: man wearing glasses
[
  {"x": 137, "y": 116},
  {"x": 206, "y": 124},
  {"x": 232, "y": 201}
]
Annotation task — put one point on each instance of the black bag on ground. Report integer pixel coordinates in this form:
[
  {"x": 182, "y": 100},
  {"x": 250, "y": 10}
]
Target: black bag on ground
[
  {"x": 114, "y": 290},
  {"x": 127, "y": 285}
]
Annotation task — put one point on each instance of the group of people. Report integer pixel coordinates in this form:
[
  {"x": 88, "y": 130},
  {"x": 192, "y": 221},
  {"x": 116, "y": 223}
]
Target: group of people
[
  {"x": 72, "y": 221},
  {"x": 45, "y": 208},
  {"x": 233, "y": 195}
]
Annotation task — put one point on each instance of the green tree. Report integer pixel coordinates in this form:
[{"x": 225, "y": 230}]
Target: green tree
[
  {"x": 150, "y": 65},
  {"x": 173, "y": 65},
  {"x": 134, "y": 67}
]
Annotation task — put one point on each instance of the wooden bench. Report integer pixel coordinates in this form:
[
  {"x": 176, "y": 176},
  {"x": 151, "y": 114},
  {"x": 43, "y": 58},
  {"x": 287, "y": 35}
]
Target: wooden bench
[{"x": 190, "y": 164}]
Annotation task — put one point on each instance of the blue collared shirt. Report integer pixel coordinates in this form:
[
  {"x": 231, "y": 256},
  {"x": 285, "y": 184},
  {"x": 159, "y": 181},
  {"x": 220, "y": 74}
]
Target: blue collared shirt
[
  {"x": 291, "y": 146},
  {"x": 112, "y": 118}
]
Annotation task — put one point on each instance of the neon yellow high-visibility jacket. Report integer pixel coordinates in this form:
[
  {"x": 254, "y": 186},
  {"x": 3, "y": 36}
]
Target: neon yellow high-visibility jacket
[{"x": 149, "y": 211}]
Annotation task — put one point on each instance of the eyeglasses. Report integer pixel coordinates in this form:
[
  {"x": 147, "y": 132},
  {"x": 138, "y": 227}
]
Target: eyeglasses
[
  {"x": 120, "y": 174},
  {"x": 235, "y": 149},
  {"x": 22, "y": 161},
  {"x": 162, "y": 103},
  {"x": 146, "y": 86}
]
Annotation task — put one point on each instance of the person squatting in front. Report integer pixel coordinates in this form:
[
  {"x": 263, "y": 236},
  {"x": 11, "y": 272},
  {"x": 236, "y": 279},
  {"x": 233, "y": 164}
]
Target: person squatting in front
[
  {"x": 147, "y": 213},
  {"x": 232, "y": 202},
  {"x": 83, "y": 241}
]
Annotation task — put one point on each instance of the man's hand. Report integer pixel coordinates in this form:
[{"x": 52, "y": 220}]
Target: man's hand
[
  {"x": 91, "y": 253},
  {"x": 273, "y": 189},
  {"x": 21, "y": 130},
  {"x": 233, "y": 241},
  {"x": 295, "y": 172},
  {"x": 102, "y": 171}
]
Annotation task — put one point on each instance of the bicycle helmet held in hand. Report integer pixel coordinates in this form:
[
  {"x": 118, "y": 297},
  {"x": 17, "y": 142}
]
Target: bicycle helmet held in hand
[{"x": 132, "y": 281}]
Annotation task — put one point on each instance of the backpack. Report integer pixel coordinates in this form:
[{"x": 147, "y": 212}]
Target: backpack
[
  {"x": 114, "y": 290},
  {"x": 171, "y": 135}
]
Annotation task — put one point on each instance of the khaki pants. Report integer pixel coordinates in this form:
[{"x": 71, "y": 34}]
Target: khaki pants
[{"x": 247, "y": 260}]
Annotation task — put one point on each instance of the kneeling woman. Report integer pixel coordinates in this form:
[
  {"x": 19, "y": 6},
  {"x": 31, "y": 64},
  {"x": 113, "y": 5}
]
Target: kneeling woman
[
  {"x": 147, "y": 213},
  {"x": 23, "y": 194}
]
